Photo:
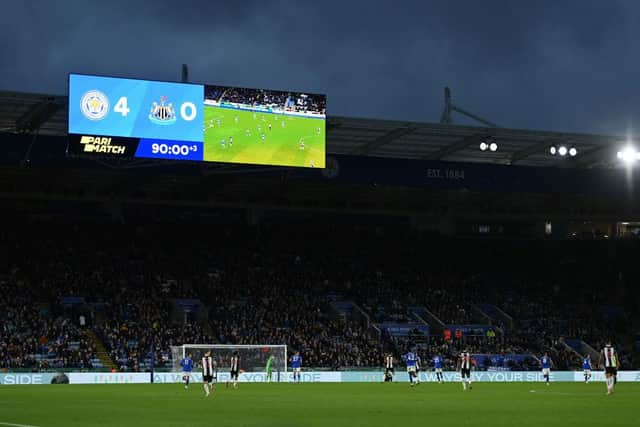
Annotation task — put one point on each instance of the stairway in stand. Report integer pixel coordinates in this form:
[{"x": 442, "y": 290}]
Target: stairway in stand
[{"x": 101, "y": 351}]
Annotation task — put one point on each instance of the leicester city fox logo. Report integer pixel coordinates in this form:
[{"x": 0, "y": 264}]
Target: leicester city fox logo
[
  {"x": 162, "y": 113},
  {"x": 94, "y": 105}
]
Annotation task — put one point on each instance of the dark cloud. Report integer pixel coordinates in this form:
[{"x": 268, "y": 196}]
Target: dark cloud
[{"x": 569, "y": 65}]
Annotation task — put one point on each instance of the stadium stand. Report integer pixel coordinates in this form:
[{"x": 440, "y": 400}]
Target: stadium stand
[
  {"x": 265, "y": 285},
  {"x": 123, "y": 250}
]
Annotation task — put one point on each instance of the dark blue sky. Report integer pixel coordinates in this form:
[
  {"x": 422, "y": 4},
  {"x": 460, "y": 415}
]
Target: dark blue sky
[{"x": 555, "y": 65}]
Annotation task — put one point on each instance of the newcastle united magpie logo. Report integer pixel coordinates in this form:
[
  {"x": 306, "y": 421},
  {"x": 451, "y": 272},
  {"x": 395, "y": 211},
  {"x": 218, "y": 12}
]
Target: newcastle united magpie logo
[{"x": 162, "y": 113}]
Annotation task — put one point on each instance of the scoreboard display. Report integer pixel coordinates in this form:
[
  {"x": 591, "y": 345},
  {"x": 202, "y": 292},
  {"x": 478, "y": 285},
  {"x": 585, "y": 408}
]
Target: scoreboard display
[{"x": 179, "y": 121}]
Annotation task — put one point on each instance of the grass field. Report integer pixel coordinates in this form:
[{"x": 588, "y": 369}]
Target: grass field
[
  {"x": 348, "y": 404},
  {"x": 290, "y": 141}
]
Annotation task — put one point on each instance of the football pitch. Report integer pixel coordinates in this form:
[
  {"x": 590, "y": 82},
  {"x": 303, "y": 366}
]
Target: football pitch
[
  {"x": 263, "y": 138},
  {"x": 347, "y": 404}
]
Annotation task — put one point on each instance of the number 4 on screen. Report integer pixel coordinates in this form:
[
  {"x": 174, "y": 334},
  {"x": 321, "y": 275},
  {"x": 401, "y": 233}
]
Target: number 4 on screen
[{"x": 122, "y": 107}]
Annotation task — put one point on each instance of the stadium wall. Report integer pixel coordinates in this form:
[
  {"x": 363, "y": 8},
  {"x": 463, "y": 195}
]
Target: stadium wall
[
  {"x": 477, "y": 176},
  {"x": 309, "y": 377},
  {"x": 348, "y": 169}
]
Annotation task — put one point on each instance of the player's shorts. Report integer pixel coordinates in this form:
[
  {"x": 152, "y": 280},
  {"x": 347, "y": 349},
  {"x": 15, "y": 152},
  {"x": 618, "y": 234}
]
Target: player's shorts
[
  {"x": 411, "y": 369},
  {"x": 186, "y": 374},
  {"x": 465, "y": 373},
  {"x": 296, "y": 370},
  {"x": 389, "y": 371},
  {"x": 438, "y": 370},
  {"x": 207, "y": 378},
  {"x": 234, "y": 374},
  {"x": 587, "y": 371},
  {"x": 546, "y": 371},
  {"x": 610, "y": 370}
]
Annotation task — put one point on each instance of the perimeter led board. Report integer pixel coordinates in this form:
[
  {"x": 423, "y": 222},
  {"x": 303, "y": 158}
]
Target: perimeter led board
[{"x": 147, "y": 119}]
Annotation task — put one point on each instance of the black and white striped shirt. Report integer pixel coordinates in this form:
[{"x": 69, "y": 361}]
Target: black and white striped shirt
[
  {"x": 389, "y": 362},
  {"x": 610, "y": 357},
  {"x": 207, "y": 366},
  {"x": 465, "y": 360},
  {"x": 235, "y": 360}
]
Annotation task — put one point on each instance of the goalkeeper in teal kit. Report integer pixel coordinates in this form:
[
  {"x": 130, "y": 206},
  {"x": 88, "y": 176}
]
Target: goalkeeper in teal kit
[{"x": 269, "y": 368}]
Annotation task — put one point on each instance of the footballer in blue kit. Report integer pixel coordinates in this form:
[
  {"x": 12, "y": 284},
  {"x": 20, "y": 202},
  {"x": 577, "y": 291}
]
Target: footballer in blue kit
[
  {"x": 187, "y": 367},
  {"x": 586, "y": 367},
  {"x": 437, "y": 367},
  {"x": 296, "y": 365},
  {"x": 411, "y": 360},
  {"x": 545, "y": 363}
]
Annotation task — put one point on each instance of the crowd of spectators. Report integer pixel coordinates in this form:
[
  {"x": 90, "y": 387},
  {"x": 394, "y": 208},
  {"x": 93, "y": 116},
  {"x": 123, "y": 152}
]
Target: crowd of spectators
[
  {"x": 263, "y": 286},
  {"x": 118, "y": 292},
  {"x": 284, "y": 299},
  {"x": 288, "y": 101},
  {"x": 33, "y": 338},
  {"x": 136, "y": 322}
]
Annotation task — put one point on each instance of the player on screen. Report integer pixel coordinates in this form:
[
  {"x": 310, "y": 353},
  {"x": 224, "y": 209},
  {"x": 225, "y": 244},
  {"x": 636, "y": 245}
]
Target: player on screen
[
  {"x": 269, "y": 368},
  {"x": 411, "y": 360},
  {"x": 296, "y": 365},
  {"x": 437, "y": 367},
  {"x": 230, "y": 141},
  {"x": 187, "y": 367},
  {"x": 586, "y": 367},
  {"x": 545, "y": 364},
  {"x": 464, "y": 364},
  {"x": 223, "y": 143},
  {"x": 269, "y": 126}
]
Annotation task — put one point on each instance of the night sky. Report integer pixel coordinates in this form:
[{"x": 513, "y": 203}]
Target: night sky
[{"x": 551, "y": 65}]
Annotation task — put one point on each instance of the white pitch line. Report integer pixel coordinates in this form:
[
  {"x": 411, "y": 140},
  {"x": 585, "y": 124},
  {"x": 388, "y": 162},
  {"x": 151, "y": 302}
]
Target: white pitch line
[
  {"x": 561, "y": 393},
  {"x": 16, "y": 425}
]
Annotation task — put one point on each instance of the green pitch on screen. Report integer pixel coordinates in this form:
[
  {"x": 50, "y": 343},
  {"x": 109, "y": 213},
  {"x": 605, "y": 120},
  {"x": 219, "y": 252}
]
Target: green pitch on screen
[
  {"x": 235, "y": 136},
  {"x": 321, "y": 405}
]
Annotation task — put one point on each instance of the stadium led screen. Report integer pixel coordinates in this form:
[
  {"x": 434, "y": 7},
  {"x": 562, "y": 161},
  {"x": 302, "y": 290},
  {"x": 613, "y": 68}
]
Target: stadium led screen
[{"x": 148, "y": 119}]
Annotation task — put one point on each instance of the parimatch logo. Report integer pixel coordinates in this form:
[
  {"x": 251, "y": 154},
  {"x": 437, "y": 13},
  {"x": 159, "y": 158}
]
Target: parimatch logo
[{"x": 101, "y": 144}]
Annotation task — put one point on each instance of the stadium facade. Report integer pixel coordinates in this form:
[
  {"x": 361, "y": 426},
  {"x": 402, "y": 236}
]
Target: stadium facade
[
  {"x": 432, "y": 174},
  {"x": 388, "y": 186}
]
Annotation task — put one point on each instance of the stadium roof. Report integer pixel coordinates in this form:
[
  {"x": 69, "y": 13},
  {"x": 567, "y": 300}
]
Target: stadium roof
[{"x": 47, "y": 115}]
